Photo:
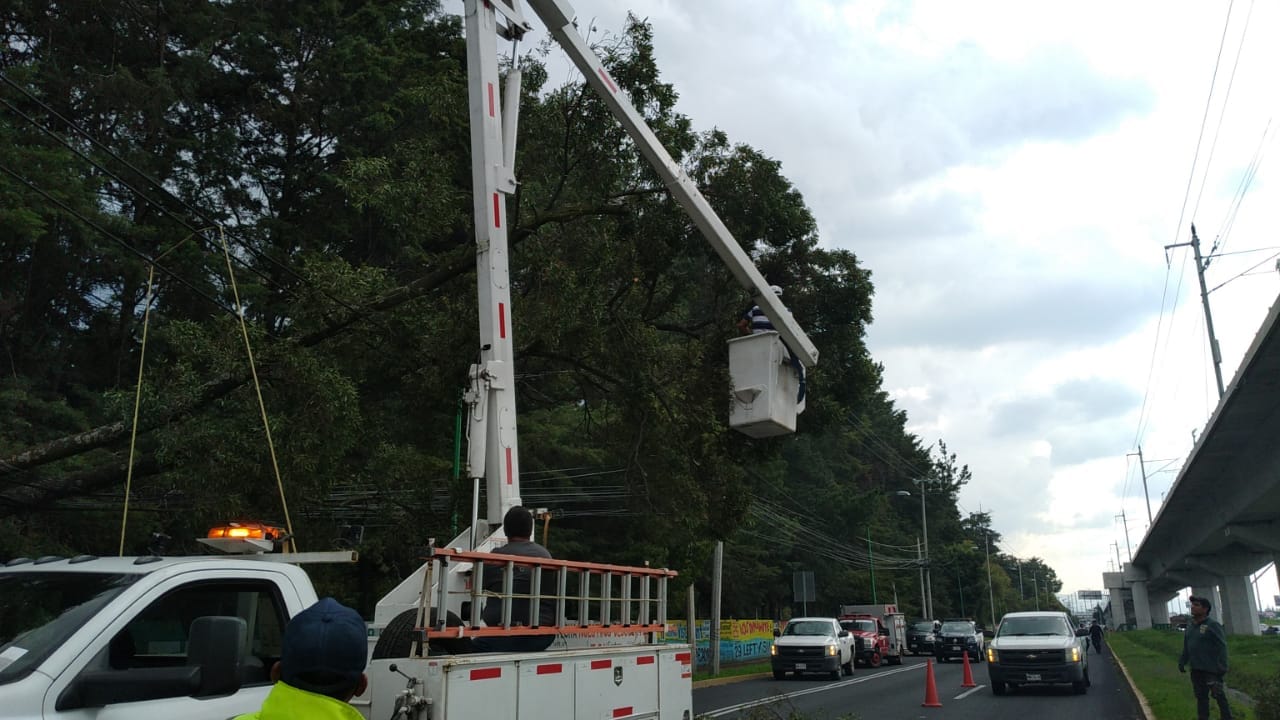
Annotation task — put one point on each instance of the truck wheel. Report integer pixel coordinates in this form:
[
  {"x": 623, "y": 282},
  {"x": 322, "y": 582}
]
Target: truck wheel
[
  {"x": 848, "y": 667},
  {"x": 997, "y": 688},
  {"x": 836, "y": 674},
  {"x": 779, "y": 674},
  {"x": 896, "y": 659},
  {"x": 874, "y": 660},
  {"x": 396, "y": 640}
]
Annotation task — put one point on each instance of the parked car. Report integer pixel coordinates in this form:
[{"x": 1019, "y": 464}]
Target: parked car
[
  {"x": 1038, "y": 648},
  {"x": 920, "y": 638},
  {"x": 958, "y": 637}
]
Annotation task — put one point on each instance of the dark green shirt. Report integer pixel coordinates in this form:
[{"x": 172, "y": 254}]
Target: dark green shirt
[{"x": 1204, "y": 646}]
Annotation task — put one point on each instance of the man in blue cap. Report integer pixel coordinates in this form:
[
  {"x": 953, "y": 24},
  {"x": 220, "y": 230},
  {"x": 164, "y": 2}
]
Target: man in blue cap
[{"x": 321, "y": 666}]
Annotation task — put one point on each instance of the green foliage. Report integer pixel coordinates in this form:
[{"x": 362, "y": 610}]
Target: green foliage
[{"x": 330, "y": 142}]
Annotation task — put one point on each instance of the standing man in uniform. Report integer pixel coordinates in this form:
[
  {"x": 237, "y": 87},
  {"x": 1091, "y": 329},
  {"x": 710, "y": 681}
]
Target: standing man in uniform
[{"x": 1204, "y": 648}]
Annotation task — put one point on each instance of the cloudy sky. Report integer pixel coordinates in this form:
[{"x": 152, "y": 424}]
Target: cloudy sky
[{"x": 1010, "y": 172}]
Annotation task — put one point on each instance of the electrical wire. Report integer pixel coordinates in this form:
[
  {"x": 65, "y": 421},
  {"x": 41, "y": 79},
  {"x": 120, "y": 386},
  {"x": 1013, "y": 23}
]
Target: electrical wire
[
  {"x": 119, "y": 241},
  {"x": 1195, "y": 158},
  {"x": 1226, "y": 99}
]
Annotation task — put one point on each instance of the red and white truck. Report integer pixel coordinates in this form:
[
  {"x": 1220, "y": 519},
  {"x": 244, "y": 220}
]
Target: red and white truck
[{"x": 879, "y": 631}]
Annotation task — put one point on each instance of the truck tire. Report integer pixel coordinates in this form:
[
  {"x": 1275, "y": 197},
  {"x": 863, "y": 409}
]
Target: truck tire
[
  {"x": 396, "y": 640},
  {"x": 874, "y": 659},
  {"x": 848, "y": 667},
  {"x": 896, "y": 659},
  {"x": 997, "y": 688},
  {"x": 837, "y": 673},
  {"x": 779, "y": 674}
]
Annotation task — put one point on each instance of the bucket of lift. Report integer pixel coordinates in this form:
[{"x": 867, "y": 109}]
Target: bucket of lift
[{"x": 765, "y": 396}]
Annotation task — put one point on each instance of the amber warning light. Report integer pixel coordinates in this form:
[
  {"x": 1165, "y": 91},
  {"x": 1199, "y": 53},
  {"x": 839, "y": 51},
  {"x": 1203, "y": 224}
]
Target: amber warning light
[{"x": 244, "y": 537}]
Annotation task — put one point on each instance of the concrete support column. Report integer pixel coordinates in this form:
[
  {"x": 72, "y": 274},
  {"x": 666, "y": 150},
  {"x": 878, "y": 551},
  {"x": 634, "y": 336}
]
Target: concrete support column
[
  {"x": 1239, "y": 612},
  {"x": 1158, "y": 610},
  {"x": 1141, "y": 605}
]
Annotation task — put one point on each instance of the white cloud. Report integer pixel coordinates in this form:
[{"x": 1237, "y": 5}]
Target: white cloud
[{"x": 1010, "y": 172}]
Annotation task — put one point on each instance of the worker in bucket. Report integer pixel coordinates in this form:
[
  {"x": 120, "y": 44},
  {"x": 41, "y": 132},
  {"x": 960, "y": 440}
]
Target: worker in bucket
[{"x": 754, "y": 322}]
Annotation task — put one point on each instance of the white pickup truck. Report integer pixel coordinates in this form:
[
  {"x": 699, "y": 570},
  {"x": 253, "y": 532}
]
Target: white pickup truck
[
  {"x": 92, "y": 638},
  {"x": 812, "y": 645}
]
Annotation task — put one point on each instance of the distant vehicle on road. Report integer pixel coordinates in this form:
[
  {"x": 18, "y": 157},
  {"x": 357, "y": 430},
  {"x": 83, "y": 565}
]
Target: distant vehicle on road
[
  {"x": 920, "y": 638},
  {"x": 958, "y": 637}
]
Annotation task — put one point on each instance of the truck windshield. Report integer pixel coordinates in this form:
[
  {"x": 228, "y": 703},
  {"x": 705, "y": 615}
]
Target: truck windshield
[
  {"x": 1013, "y": 626},
  {"x": 808, "y": 627},
  {"x": 957, "y": 628},
  {"x": 39, "y": 611}
]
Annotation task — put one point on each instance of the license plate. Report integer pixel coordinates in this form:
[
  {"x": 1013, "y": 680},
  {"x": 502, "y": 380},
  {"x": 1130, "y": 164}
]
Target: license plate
[
  {"x": 802, "y": 666},
  {"x": 955, "y": 647},
  {"x": 1033, "y": 677}
]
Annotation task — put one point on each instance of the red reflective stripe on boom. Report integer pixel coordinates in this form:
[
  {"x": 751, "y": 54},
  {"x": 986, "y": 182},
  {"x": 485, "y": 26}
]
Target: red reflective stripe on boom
[
  {"x": 491, "y": 110},
  {"x": 549, "y": 669},
  {"x": 601, "y": 664},
  {"x": 486, "y": 673},
  {"x": 502, "y": 320},
  {"x": 508, "y": 466},
  {"x": 497, "y": 212},
  {"x": 605, "y": 77}
]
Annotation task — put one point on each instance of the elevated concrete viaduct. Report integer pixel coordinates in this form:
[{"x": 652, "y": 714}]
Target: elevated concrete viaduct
[{"x": 1220, "y": 522}]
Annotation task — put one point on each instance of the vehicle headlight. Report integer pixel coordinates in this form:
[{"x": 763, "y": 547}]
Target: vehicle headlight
[
  {"x": 773, "y": 649},
  {"x": 1074, "y": 654},
  {"x": 833, "y": 650},
  {"x": 992, "y": 655}
]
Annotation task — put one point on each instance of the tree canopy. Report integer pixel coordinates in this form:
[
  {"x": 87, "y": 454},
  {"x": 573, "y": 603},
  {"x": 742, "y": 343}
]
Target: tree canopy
[{"x": 317, "y": 155}]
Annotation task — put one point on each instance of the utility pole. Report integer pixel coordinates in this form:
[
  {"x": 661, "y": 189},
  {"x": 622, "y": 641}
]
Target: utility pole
[
  {"x": 872, "y": 559},
  {"x": 991, "y": 596},
  {"x": 928, "y": 574},
  {"x": 1204, "y": 298},
  {"x": 1127, "y": 547},
  {"x": 1035, "y": 587},
  {"x": 1142, "y": 465},
  {"x": 924, "y": 606},
  {"x": 1119, "y": 566}
]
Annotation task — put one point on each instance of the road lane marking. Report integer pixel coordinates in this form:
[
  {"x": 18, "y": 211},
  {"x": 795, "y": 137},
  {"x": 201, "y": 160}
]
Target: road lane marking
[
  {"x": 809, "y": 691},
  {"x": 964, "y": 695}
]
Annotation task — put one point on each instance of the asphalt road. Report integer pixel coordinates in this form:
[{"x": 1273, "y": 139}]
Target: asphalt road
[{"x": 897, "y": 692}]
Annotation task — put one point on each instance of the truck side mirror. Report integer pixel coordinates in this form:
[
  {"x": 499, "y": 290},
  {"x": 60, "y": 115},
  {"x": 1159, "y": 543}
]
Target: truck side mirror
[
  {"x": 777, "y": 632},
  {"x": 216, "y": 645},
  {"x": 844, "y": 633}
]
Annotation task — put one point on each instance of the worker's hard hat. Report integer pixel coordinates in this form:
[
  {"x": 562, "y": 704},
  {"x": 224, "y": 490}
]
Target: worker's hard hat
[{"x": 776, "y": 289}]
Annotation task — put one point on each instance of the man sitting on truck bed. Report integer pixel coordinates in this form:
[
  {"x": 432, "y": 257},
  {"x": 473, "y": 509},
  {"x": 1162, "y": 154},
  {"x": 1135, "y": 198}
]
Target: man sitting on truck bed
[
  {"x": 321, "y": 666},
  {"x": 517, "y": 524}
]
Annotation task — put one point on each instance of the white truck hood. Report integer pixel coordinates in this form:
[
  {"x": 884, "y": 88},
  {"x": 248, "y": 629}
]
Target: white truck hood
[
  {"x": 1033, "y": 642},
  {"x": 804, "y": 640}
]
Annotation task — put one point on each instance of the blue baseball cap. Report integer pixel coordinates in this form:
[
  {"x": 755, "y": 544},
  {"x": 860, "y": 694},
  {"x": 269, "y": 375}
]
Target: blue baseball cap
[{"x": 325, "y": 649}]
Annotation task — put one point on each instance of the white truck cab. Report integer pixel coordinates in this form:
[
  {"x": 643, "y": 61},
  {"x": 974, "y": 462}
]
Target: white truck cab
[{"x": 137, "y": 638}]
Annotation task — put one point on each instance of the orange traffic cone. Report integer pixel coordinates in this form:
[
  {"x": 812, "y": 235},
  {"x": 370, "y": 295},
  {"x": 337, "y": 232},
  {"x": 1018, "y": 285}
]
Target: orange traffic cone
[
  {"x": 930, "y": 689},
  {"x": 968, "y": 674}
]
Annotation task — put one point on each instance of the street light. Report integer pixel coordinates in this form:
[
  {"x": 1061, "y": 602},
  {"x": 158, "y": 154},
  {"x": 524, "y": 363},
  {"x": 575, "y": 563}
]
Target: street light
[{"x": 926, "y": 577}]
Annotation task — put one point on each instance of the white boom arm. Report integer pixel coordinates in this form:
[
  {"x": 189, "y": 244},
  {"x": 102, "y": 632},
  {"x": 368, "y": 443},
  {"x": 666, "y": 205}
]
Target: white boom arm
[
  {"x": 493, "y": 451},
  {"x": 558, "y": 16}
]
